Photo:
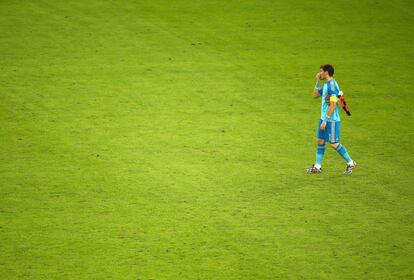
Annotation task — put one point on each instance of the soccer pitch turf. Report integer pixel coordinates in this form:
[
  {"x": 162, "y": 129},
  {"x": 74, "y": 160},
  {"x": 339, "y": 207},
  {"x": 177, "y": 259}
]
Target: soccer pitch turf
[{"x": 168, "y": 140}]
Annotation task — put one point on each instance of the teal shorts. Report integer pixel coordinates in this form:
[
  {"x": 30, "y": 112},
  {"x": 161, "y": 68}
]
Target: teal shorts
[{"x": 332, "y": 132}]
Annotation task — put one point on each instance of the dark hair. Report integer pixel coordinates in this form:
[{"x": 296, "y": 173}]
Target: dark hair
[{"x": 329, "y": 68}]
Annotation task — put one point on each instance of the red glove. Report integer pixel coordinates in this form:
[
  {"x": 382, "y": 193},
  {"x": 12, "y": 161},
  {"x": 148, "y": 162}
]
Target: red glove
[{"x": 344, "y": 105}]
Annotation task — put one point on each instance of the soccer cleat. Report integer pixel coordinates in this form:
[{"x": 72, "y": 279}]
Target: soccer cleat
[
  {"x": 350, "y": 167},
  {"x": 313, "y": 169}
]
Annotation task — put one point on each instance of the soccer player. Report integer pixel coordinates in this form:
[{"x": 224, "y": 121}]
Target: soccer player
[{"x": 329, "y": 124}]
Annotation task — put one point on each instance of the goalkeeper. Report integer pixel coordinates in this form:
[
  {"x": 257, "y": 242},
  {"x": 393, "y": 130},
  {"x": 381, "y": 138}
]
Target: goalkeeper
[{"x": 329, "y": 124}]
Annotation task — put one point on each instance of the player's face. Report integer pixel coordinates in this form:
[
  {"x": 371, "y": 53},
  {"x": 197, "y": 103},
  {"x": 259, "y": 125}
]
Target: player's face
[{"x": 321, "y": 74}]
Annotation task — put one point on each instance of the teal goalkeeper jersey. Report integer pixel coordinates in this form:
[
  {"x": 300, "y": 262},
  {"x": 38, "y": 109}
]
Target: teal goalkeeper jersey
[{"x": 329, "y": 91}]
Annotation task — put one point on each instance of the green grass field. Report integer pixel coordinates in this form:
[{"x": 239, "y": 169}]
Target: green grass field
[{"x": 168, "y": 140}]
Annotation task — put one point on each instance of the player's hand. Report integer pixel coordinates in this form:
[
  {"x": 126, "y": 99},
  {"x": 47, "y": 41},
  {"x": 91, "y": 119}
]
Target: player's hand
[
  {"x": 323, "y": 125},
  {"x": 318, "y": 77}
]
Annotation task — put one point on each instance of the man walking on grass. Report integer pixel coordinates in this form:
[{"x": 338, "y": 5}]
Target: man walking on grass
[{"x": 329, "y": 124}]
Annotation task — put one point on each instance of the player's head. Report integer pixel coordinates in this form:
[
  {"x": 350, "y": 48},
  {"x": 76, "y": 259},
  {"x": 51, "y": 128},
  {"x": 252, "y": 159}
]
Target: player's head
[{"x": 326, "y": 71}]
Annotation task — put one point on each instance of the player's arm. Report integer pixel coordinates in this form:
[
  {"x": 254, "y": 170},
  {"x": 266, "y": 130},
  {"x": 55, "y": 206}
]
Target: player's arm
[
  {"x": 317, "y": 91},
  {"x": 333, "y": 101},
  {"x": 333, "y": 91}
]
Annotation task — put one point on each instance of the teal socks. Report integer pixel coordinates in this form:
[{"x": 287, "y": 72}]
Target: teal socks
[
  {"x": 344, "y": 153},
  {"x": 320, "y": 151}
]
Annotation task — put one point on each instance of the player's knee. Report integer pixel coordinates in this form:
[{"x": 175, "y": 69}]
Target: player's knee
[
  {"x": 334, "y": 145},
  {"x": 320, "y": 142}
]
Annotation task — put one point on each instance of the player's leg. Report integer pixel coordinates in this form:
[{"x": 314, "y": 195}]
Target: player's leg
[
  {"x": 342, "y": 152},
  {"x": 334, "y": 136},
  {"x": 320, "y": 151},
  {"x": 322, "y": 137}
]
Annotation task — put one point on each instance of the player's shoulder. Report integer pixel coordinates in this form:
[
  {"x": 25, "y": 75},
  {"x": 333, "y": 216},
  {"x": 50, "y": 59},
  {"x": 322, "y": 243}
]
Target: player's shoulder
[{"x": 333, "y": 85}]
